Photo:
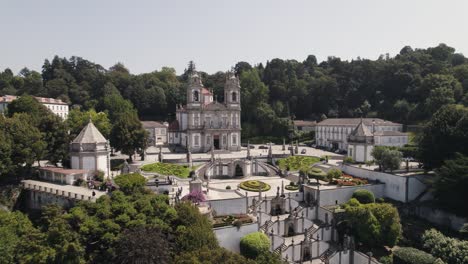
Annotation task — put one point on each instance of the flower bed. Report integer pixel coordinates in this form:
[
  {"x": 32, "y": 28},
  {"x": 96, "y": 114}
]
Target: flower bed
[
  {"x": 254, "y": 186},
  {"x": 294, "y": 163},
  {"x": 292, "y": 187},
  {"x": 348, "y": 180},
  {"x": 168, "y": 169},
  {"x": 235, "y": 220}
]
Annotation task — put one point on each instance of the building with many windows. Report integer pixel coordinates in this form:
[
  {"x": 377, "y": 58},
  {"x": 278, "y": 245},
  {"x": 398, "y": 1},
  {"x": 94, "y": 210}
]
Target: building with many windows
[
  {"x": 56, "y": 106},
  {"x": 204, "y": 123},
  {"x": 334, "y": 133}
]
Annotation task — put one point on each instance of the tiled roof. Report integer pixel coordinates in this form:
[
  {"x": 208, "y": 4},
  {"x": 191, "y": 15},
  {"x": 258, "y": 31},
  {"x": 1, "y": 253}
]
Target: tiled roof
[
  {"x": 90, "y": 134},
  {"x": 355, "y": 121},
  {"x": 361, "y": 131},
  {"x": 151, "y": 124},
  {"x": 43, "y": 100},
  {"x": 389, "y": 133},
  {"x": 62, "y": 170},
  {"x": 302, "y": 123},
  {"x": 205, "y": 91},
  {"x": 7, "y": 98}
]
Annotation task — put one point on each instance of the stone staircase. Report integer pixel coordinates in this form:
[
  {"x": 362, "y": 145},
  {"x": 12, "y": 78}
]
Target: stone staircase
[
  {"x": 280, "y": 249},
  {"x": 327, "y": 254},
  {"x": 253, "y": 206},
  {"x": 310, "y": 231},
  {"x": 265, "y": 227}
]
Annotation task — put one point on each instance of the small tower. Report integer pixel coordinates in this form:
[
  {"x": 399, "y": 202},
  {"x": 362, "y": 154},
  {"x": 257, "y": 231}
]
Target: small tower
[
  {"x": 232, "y": 91},
  {"x": 90, "y": 151},
  {"x": 194, "y": 90}
]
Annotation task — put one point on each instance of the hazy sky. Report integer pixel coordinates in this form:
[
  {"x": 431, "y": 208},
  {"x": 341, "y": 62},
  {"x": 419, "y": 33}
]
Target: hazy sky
[{"x": 146, "y": 35}]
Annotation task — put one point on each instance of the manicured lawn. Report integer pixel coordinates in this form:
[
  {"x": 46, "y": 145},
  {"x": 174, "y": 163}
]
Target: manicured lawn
[
  {"x": 169, "y": 169},
  {"x": 294, "y": 163}
]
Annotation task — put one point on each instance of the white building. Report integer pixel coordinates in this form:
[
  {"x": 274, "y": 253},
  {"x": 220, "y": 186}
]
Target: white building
[
  {"x": 90, "y": 151},
  {"x": 205, "y": 123},
  {"x": 157, "y": 132},
  {"x": 334, "y": 132},
  {"x": 56, "y": 106},
  {"x": 362, "y": 140}
]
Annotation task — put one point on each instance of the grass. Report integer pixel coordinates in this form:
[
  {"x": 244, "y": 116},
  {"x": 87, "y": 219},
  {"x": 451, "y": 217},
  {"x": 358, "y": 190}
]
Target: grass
[
  {"x": 168, "y": 169},
  {"x": 294, "y": 163}
]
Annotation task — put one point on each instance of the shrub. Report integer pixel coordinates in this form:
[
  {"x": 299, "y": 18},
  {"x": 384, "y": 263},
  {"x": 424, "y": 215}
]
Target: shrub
[
  {"x": 348, "y": 160},
  {"x": 409, "y": 255},
  {"x": 450, "y": 250},
  {"x": 364, "y": 196},
  {"x": 253, "y": 244},
  {"x": 334, "y": 174},
  {"x": 317, "y": 173},
  {"x": 254, "y": 186},
  {"x": 291, "y": 187},
  {"x": 228, "y": 187},
  {"x": 130, "y": 183}
]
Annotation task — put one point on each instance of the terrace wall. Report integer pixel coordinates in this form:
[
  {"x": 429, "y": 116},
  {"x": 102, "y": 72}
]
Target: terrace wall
[{"x": 229, "y": 237}]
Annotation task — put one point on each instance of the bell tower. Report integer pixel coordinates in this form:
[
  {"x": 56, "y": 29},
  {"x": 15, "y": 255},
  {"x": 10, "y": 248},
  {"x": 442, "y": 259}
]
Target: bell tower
[
  {"x": 194, "y": 90},
  {"x": 232, "y": 91}
]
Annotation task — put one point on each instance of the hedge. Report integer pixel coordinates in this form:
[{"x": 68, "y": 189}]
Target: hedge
[
  {"x": 317, "y": 173},
  {"x": 364, "y": 196},
  {"x": 253, "y": 244},
  {"x": 409, "y": 255},
  {"x": 254, "y": 186}
]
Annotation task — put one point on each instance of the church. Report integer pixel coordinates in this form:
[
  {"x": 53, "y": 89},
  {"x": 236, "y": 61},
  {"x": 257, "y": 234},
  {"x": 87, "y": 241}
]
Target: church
[{"x": 204, "y": 123}]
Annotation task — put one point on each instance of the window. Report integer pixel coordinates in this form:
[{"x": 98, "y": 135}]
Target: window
[
  {"x": 234, "y": 97},
  {"x": 196, "y": 140},
  {"x": 234, "y": 139},
  {"x": 163, "y": 131},
  {"x": 224, "y": 140},
  {"x": 208, "y": 140},
  {"x": 196, "y": 120},
  {"x": 196, "y": 96}
]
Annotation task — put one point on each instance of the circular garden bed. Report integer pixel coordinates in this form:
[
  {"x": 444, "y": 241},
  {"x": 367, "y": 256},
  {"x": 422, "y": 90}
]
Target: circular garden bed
[{"x": 254, "y": 186}]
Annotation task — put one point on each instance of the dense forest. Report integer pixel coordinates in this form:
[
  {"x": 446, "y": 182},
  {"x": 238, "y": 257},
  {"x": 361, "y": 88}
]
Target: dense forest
[{"x": 407, "y": 88}]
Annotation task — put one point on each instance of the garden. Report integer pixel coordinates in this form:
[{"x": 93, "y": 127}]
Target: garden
[
  {"x": 294, "y": 163},
  {"x": 168, "y": 169},
  {"x": 254, "y": 186},
  {"x": 228, "y": 220}
]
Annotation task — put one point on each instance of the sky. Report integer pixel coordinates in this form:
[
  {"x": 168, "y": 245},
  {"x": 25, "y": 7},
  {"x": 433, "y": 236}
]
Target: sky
[{"x": 216, "y": 34}]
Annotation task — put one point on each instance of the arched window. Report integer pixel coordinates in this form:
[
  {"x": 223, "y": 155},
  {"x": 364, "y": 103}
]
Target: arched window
[
  {"x": 196, "y": 96},
  {"x": 234, "y": 97}
]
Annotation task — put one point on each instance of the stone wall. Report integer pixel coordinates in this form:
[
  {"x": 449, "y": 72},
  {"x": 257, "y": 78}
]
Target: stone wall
[
  {"x": 229, "y": 237},
  {"x": 439, "y": 217},
  {"x": 344, "y": 193},
  {"x": 399, "y": 188}
]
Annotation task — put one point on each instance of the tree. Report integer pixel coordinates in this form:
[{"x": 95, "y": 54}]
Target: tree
[
  {"x": 364, "y": 196},
  {"x": 254, "y": 244},
  {"x": 130, "y": 183},
  {"x": 27, "y": 143},
  {"x": 78, "y": 119},
  {"x": 128, "y": 135},
  {"x": 444, "y": 135},
  {"x": 374, "y": 224},
  {"x": 334, "y": 174},
  {"x": 192, "y": 229},
  {"x": 206, "y": 255},
  {"x": 450, "y": 250},
  {"x": 143, "y": 245},
  {"x": 451, "y": 184},
  {"x": 387, "y": 158}
]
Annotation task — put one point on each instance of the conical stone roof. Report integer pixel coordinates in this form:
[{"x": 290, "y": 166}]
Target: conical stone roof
[
  {"x": 361, "y": 134},
  {"x": 90, "y": 134}
]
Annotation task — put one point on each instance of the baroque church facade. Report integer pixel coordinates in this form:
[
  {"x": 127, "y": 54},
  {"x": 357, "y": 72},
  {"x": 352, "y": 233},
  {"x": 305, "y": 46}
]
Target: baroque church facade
[{"x": 204, "y": 124}]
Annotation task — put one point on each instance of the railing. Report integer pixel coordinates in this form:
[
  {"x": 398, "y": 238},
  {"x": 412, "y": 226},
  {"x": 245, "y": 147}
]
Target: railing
[{"x": 57, "y": 192}]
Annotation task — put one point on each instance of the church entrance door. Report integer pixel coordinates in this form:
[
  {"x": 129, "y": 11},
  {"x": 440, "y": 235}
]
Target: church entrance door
[{"x": 216, "y": 142}]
